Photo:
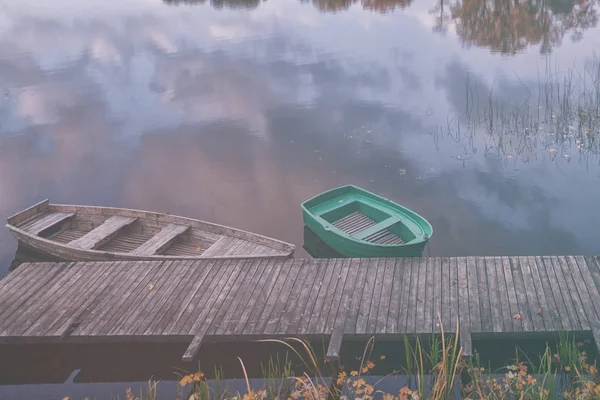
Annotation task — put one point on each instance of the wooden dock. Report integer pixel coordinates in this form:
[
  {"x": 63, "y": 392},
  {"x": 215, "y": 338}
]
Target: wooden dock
[{"x": 338, "y": 299}]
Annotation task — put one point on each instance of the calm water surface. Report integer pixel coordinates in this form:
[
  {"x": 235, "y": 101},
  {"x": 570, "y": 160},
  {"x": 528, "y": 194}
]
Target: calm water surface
[{"x": 480, "y": 115}]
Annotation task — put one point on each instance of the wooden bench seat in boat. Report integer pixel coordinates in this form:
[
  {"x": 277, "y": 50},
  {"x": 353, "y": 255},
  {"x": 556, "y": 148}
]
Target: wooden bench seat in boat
[
  {"x": 161, "y": 240},
  {"x": 103, "y": 232},
  {"x": 45, "y": 221}
]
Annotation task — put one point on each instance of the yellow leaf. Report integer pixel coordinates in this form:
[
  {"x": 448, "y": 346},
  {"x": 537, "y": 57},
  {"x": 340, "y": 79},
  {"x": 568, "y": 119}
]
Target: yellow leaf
[
  {"x": 65, "y": 398},
  {"x": 150, "y": 286},
  {"x": 341, "y": 378},
  {"x": 517, "y": 316},
  {"x": 567, "y": 368},
  {"x": 382, "y": 357},
  {"x": 540, "y": 310},
  {"x": 354, "y": 373},
  {"x": 185, "y": 380}
]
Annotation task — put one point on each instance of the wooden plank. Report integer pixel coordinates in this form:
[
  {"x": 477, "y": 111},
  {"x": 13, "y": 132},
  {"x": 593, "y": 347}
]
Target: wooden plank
[
  {"x": 20, "y": 289},
  {"x": 272, "y": 298},
  {"x": 193, "y": 348},
  {"x": 445, "y": 285},
  {"x": 189, "y": 305},
  {"x": 521, "y": 292},
  {"x": 257, "y": 312},
  {"x": 265, "y": 282},
  {"x": 161, "y": 240},
  {"x": 413, "y": 301},
  {"x": 464, "y": 314},
  {"x": 554, "y": 267},
  {"x": 385, "y": 301},
  {"x": 320, "y": 295},
  {"x": 71, "y": 320},
  {"x": 404, "y": 314},
  {"x": 137, "y": 285},
  {"x": 238, "y": 303},
  {"x": 201, "y": 321},
  {"x": 137, "y": 310},
  {"x": 333, "y": 297},
  {"x": 114, "y": 296},
  {"x": 530, "y": 293},
  {"x": 163, "y": 295},
  {"x": 544, "y": 309},
  {"x": 304, "y": 279},
  {"x": 487, "y": 324},
  {"x": 376, "y": 298},
  {"x": 97, "y": 236},
  {"x": 421, "y": 293},
  {"x": 437, "y": 321},
  {"x": 492, "y": 293},
  {"x": 398, "y": 287},
  {"x": 594, "y": 269},
  {"x": 556, "y": 307},
  {"x": 352, "y": 315},
  {"x": 63, "y": 295},
  {"x": 335, "y": 344},
  {"x": 28, "y": 311},
  {"x": 507, "y": 315},
  {"x": 291, "y": 321},
  {"x": 586, "y": 297},
  {"x": 47, "y": 221},
  {"x": 575, "y": 296},
  {"x": 343, "y": 311},
  {"x": 473, "y": 290},
  {"x": 367, "y": 296},
  {"x": 429, "y": 313},
  {"x": 579, "y": 264},
  {"x": 277, "y": 310},
  {"x": 218, "y": 248},
  {"x": 454, "y": 295}
]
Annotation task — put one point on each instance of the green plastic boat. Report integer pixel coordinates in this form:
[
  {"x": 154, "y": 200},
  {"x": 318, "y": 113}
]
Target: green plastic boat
[{"x": 358, "y": 223}]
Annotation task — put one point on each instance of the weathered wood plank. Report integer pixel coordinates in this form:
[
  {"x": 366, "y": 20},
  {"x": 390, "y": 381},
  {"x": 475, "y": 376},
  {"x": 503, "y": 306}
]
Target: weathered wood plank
[
  {"x": 421, "y": 293},
  {"x": 292, "y": 320},
  {"x": 464, "y": 313},
  {"x": 427, "y": 324},
  {"x": 556, "y": 307},
  {"x": 586, "y": 297},
  {"x": 473, "y": 293},
  {"x": 386, "y": 296},
  {"x": 335, "y": 288},
  {"x": 46, "y": 221},
  {"x": 446, "y": 306},
  {"x": 530, "y": 293},
  {"x": 454, "y": 295},
  {"x": 493, "y": 293},
  {"x": 507, "y": 315},
  {"x": 483, "y": 291},
  {"x": 553, "y": 267},
  {"x": 352, "y": 315},
  {"x": 367, "y": 297},
  {"x": 376, "y": 297},
  {"x": 405, "y": 313},
  {"x": 561, "y": 262},
  {"x": 437, "y": 321},
  {"x": 544, "y": 309},
  {"x": 243, "y": 292},
  {"x": 97, "y": 236},
  {"x": 269, "y": 274},
  {"x": 336, "y": 301},
  {"x": 304, "y": 280},
  {"x": 413, "y": 300},
  {"x": 161, "y": 240},
  {"x": 276, "y": 313},
  {"x": 320, "y": 295},
  {"x": 524, "y": 313},
  {"x": 398, "y": 287},
  {"x": 588, "y": 281}
]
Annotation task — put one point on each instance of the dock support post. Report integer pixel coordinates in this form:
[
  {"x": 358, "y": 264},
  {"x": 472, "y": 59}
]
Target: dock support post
[
  {"x": 335, "y": 344},
  {"x": 193, "y": 348}
]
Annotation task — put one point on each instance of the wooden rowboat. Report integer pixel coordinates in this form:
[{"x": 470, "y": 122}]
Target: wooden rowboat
[
  {"x": 358, "y": 223},
  {"x": 82, "y": 233}
]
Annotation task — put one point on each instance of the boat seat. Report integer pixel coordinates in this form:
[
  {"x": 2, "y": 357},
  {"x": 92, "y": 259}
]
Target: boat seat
[
  {"x": 161, "y": 240},
  {"x": 103, "y": 232},
  {"x": 40, "y": 223}
]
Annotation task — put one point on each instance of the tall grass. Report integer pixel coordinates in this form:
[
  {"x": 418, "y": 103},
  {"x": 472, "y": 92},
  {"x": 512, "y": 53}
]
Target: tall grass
[
  {"x": 435, "y": 371},
  {"x": 560, "y": 114}
]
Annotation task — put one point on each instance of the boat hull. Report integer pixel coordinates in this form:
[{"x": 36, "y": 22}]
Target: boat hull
[
  {"x": 89, "y": 233},
  {"x": 357, "y": 223}
]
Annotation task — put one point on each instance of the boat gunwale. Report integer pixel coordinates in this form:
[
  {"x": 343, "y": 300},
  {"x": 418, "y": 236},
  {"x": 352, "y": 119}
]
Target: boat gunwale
[
  {"x": 328, "y": 225},
  {"x": 285, "y": 249}
]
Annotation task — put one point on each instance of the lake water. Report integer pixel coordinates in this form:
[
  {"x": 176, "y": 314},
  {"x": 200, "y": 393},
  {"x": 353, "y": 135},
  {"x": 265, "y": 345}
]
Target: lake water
[{"x": 482, "y": 116}]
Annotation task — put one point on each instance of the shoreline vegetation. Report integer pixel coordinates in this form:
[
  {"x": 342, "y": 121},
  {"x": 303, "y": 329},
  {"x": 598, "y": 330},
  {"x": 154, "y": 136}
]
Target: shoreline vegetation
[
  {"x": 431, "y": 370},
  {"x": 559, "y": 115}
]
